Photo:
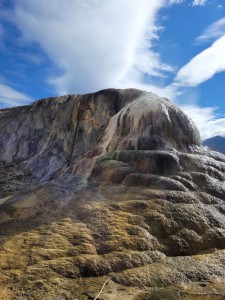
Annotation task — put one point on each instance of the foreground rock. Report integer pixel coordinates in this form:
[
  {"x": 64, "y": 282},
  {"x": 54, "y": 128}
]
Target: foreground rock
[{"x": 113, "y": 185}]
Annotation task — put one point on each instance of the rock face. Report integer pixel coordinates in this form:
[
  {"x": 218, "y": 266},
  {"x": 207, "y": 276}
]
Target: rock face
[
  {"x": 113, "y": 185},
  {"x": 55, "y": 132}
]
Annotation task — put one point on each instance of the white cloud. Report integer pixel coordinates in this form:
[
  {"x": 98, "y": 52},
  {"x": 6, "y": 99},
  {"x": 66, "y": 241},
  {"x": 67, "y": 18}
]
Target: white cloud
[
  {"x": 168, "y": 92},
  {"x": 214, "y": 31},
  {"x": 199, "y": 2},
  {"x": 193, "y": 3},
  {"x": 208, "y": 122},
  {"x": 220, "y": 6},
  {"x": 175, "y": 1},
  {"x": 11, "y": 97},
  {"x": 96, "y": 44},
  {"x": 203, "y": 66}
]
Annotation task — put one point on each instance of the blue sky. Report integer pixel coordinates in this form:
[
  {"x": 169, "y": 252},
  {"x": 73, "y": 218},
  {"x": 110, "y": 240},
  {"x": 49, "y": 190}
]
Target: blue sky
[{"x": 175, "y": 48}]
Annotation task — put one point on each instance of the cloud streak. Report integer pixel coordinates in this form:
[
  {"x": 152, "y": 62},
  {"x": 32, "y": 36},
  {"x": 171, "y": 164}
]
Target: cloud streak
[
  {"x": 11, "y": 97},
  {"x": 193, "y": 3},
  {"x": 212, "y": 32},
  {"x": 199, "y": 2},
  {"x": 203, "y": 66}
]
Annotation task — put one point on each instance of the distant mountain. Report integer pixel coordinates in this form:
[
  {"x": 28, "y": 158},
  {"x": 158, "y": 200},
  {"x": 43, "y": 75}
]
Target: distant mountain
[{"x": 216, "y": 143}]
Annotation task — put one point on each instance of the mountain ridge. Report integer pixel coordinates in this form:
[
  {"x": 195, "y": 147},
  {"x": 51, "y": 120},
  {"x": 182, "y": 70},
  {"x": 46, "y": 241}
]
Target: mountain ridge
[{"x": 216, "y": 143}]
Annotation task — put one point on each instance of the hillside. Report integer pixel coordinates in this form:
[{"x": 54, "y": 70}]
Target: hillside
[{"x": 112, "y": 186}]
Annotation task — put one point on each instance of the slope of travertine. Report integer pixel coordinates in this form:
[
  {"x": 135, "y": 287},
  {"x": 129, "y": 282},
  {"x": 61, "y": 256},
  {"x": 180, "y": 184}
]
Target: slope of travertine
[{"x": 112, "y": 187}]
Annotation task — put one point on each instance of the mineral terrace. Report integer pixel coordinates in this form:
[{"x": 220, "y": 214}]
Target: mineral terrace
[{"x": 112, "y": 187}]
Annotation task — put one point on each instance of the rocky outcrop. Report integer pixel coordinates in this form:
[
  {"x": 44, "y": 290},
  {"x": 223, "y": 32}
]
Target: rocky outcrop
[
  {"x": 55, "y": 132},
  {"x": 113, "y": 185}
]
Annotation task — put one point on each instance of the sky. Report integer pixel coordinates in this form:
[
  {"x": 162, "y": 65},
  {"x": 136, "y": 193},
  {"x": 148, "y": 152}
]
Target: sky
[{"x": 174, "y": 48}]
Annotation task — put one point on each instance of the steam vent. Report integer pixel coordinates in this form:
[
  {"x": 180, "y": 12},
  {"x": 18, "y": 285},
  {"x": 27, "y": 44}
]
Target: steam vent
[{"x": 109, "y": 196}]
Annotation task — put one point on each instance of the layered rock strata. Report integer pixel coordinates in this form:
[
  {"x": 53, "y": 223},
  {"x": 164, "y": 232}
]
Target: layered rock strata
[{"x": 113, "y": 185}]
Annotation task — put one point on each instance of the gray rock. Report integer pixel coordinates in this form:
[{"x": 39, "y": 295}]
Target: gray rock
[{"x": 114, "y": 184}]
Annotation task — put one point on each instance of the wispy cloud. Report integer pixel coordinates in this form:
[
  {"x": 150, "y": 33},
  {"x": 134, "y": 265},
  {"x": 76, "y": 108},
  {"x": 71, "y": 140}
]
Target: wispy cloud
[
  {"x": 207, "y": 120},
  {"x": 212, "y": 32},
  {"x": 171, "y": 2},
  {"x": 199, "y": 69},
  {"x": 193, "y": 3},
  {"x": 96, "y": 44},
  {"x": 11, "y": 97},
  {"x": 199, "y": 2},
  {"x": 203, "y": 66},
  {"x": 219, "y": 6},
  {"x": 91, "y": 42}
]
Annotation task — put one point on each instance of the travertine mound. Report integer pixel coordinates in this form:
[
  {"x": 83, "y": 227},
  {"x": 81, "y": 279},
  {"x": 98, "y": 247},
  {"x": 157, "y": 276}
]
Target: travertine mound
[
  {"x": 55, "y": 132},
  {"x": 113, "y": 185}
]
